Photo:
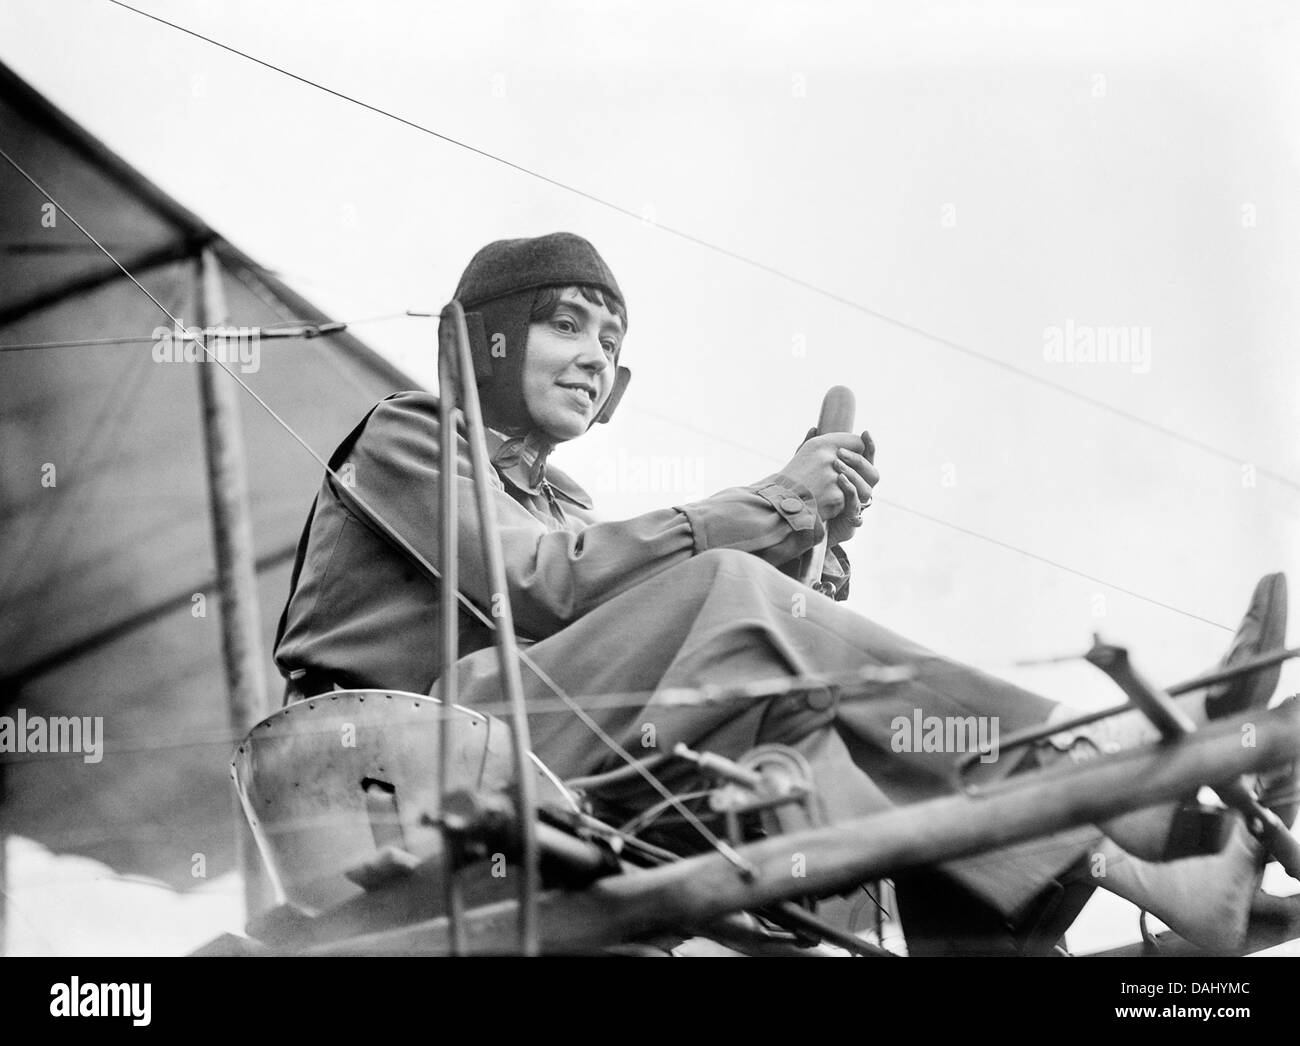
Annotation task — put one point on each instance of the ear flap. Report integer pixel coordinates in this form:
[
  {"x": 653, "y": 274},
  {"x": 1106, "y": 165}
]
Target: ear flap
[
  {"x": 621, "y": 379},
  {"x": 479, "y": 349}
]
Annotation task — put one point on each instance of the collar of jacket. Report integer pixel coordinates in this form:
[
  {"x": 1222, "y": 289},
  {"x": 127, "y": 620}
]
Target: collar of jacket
[{"x": 521, "y": 462}]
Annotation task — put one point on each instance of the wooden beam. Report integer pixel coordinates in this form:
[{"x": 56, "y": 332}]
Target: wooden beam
[
  {"x": 693, "y": 891},
  {"x": 232, "y": 539},
  {"x": 83, "y": 283}
]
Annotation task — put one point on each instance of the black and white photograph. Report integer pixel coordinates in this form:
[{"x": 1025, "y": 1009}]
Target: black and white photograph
[{"x": 692, "y": 480}]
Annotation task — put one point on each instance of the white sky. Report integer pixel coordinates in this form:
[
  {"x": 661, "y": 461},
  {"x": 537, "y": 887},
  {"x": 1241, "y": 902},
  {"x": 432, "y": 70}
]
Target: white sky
[{"x": 1096, "y": 159}]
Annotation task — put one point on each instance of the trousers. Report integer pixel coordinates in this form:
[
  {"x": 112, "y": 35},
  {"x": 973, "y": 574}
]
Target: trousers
[{"x": 726, "y": 617}]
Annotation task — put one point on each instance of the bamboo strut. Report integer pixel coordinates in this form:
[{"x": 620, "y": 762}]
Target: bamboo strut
[{"x": 695, "y": 890}]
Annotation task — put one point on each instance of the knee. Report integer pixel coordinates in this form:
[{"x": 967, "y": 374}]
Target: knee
[
  {"x": 724, "y": 572},
  {"x": 716, "y": 558},
  {"x": 732, "y": 562}
]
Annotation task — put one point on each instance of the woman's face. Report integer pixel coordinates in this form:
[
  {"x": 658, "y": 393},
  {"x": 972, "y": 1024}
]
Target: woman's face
[{"x": 569, "y": 366}]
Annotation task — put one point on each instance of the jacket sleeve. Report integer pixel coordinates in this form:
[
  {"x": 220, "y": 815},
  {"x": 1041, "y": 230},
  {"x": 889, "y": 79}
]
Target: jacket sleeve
[{"x": 556, "y": 576}]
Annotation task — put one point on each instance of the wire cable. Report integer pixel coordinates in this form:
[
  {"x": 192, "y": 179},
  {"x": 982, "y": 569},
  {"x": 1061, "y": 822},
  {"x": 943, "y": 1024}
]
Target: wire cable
[
  {"x": 311, "y": 329},
  {"x": 726, "y": 252}
]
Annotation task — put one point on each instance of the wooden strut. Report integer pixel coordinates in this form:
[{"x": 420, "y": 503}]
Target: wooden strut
[
  {"x": 1033, "y": 734},
  {"x": 693, "y": 891},
  {"x": 232, "y": 539},
  {"x": 448, "y": 611}
]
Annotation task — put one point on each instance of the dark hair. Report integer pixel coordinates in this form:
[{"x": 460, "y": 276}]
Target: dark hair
[{"x": 548, "y": 300}]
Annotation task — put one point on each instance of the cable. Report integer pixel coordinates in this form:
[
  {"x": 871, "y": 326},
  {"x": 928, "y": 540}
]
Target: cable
[
  {"x": 672, "y": 697},
  {"x": 681, "y": 234},
  {"x": 312, "y": 329},
  {"x": 77, "y": 343}
]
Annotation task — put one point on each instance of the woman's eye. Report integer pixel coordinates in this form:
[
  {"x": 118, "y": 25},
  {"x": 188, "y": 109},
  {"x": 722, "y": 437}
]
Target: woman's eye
[
  {"x": 566, "y": 324},
  {"x": 610, "y": 346}
]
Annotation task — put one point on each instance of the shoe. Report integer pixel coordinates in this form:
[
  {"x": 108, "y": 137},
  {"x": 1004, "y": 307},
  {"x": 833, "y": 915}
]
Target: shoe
[
  {"x": 1279, "y": 789},
  {"x": 1206, "y": 900},
  {"x": 1262, "y": 629}
]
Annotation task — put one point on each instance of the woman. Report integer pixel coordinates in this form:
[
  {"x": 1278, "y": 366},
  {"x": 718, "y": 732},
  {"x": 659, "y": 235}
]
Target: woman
[{"x": 695, "y": 594}]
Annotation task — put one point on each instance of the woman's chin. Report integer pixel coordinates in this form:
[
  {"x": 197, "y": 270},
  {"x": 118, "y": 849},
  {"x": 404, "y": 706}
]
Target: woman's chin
[{"x": 565, "y": 428}]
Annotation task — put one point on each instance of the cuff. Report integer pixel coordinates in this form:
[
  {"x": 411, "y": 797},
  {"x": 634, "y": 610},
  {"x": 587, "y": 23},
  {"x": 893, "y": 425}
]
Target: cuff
[
  {"x": 794, "y": 502},
  {"x": 775, "y": 518}
]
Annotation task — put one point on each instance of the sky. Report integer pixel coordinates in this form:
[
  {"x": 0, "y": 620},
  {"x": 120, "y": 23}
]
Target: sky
[{"x": 915, "y": 200}]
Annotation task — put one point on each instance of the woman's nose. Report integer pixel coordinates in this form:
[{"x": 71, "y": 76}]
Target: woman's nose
[{"x": 593, "y": 356}]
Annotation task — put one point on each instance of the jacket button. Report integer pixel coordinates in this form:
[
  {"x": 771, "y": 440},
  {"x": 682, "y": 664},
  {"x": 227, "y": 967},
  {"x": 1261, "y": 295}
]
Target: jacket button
[
  {"x": 820, "y": 698},
  {"x": 791, "y": 505}
]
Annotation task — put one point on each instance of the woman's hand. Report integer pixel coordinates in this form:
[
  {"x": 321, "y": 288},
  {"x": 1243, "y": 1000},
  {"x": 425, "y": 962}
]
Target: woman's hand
[{"x": 837, "y": 469}]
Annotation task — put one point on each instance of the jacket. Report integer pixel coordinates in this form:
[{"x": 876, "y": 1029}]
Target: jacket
[{"x": 360, "y": 614}]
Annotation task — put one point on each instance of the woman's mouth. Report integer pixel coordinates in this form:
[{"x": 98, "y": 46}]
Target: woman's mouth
[{"x": 582, "y": 395}]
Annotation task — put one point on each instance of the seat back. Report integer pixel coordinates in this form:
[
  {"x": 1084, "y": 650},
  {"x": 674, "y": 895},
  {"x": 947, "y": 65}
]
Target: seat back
[{"x": 327, "y": 781}]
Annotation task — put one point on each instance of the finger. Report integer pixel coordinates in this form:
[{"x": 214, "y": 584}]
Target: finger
[
  {"x": 840, "y": 529},
  {"x": 854, "y": 495},
  {"x": 859, "y": 465},
  {"x": 835, "y": 499},
  {"x": 809, "y": 435},
  {"x": 861, "y": 488},
  {"x": 846, "y": 440},
  {"x": 870, "y": 445}
]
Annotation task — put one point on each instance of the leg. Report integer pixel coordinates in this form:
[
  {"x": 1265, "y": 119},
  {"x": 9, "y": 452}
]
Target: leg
[{"x": 726, "y": 617}]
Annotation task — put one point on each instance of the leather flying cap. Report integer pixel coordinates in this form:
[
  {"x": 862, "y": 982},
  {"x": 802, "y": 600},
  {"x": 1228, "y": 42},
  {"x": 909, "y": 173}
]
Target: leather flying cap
[
  {"x": 559, "y": 259},
  {"x": 497, "y": 292}
]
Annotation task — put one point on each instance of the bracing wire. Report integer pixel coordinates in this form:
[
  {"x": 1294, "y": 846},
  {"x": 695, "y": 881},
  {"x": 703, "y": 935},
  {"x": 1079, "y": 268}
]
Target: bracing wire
[{"x": 736, "y": 256}]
